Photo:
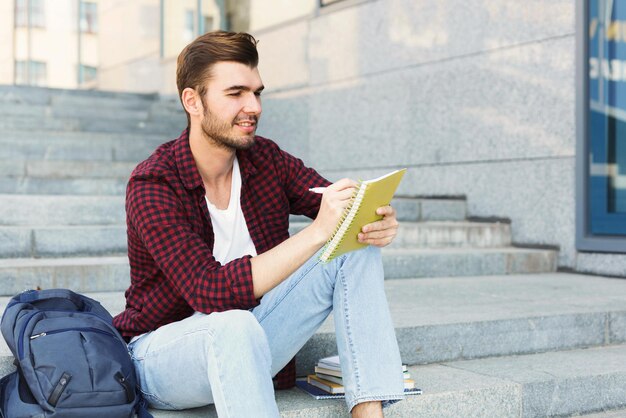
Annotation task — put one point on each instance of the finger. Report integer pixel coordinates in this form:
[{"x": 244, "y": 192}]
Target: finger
[
  {"x": 379, "y": 242},
  {"x": 377, "y": 235},
  {"x": 383, "y": 224},
  {"x": 342, "y": 184},
  {"x": 386, "y": 211}
]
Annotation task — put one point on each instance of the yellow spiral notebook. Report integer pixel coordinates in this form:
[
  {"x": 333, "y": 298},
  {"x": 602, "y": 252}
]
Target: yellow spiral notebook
[{"x": 369, "y": 196}]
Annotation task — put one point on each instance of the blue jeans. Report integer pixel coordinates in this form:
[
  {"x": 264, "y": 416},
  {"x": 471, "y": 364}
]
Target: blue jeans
[{"x": 229, "y": 358}]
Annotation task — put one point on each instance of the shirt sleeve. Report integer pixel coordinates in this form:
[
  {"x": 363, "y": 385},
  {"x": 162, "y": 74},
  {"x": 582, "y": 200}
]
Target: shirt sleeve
[{"x": 162, "y": 223}]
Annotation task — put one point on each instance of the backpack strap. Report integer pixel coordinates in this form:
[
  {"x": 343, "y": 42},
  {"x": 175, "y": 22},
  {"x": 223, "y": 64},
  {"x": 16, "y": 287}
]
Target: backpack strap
[
  {"x": 142, "y": 408},
  {"x": 34, "y": 295}
]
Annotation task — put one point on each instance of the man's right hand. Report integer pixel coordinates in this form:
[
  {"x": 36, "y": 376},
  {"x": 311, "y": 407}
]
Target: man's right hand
[{"x": 335, "y": 199}]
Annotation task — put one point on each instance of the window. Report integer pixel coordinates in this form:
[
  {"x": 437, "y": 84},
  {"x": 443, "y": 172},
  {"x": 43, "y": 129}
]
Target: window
[
  {"x": 189, "y": 28},
  {"x": 34, "y": 9},
  {"x": 88, "y": 17},
  {"x": 601, "y": 165},
  {"x": 87, "y": 73},
  {"x": 33, "y": 73}
]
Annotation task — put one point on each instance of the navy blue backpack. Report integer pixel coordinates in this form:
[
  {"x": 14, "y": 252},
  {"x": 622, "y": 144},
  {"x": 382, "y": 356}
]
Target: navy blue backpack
[{"x": 71, "y": 361}]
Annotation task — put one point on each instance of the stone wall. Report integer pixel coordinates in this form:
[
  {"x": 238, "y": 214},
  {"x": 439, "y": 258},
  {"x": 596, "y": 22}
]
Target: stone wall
[{"x": 475, "y": 97}]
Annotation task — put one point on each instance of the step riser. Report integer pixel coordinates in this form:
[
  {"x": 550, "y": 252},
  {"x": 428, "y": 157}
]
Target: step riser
[
  {"x": 90, "y": 240},
  {"x": 53, "y": 210},
  {"x": 75, "y": 151},
  {"x": 14, "y": 279},
  {"x": 45, "y": 96},
  {"x": 59, "y": 242},
  {"x": 39, "y": 186},
  {"x": 473, "y": 340},
  {"x": 93, "y": 278},
  {"x": 468, "y": 264},
  {"x": 169, "y": 128},
  {"x": 64, "y": 169},
  {"x": 431, "y": 236}
]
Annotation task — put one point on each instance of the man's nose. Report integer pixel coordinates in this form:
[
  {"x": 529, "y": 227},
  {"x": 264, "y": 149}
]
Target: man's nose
[{"x": 253, "y": 104}]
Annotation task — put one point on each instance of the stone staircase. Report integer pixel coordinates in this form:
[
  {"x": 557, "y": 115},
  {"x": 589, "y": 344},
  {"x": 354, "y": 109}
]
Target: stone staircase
[{"x": 490, "y": 329}]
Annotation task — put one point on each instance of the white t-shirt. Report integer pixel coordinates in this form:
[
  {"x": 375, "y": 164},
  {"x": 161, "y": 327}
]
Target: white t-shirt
[{"x": 232, "y": 239}]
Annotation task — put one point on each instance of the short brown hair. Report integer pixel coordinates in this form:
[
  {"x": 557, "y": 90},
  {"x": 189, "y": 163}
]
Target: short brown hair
[{"x": 196, "y": 60}]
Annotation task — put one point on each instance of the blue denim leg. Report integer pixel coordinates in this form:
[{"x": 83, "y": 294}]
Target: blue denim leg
[
  {"x": 221, "y": 358},
  {"x": 352, "y": 286}
]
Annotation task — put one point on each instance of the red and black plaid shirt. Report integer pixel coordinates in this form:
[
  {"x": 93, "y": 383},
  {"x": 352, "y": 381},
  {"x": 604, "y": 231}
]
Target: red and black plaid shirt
[{"x": 170, "y": 237}]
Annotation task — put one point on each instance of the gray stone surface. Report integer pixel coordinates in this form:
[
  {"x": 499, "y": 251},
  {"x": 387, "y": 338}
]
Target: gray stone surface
[
  {"x": 474, "y": 99},
  {"x": 52, "y": 186},
  {"x": 89, "y": 240},
  {"x": 79, "y": 169},
  {"x": 452, "y": 234},
  {"x": 606, "y": 414},
  {"x": 442, "y": 210},
  {"x": 562, "y": 383},
  {"x": 404, "y": 33},
  {"x": 61, "y": 210},
  {"x": 437, "y": 262},
  {"x": 80, "y": 274},
  {"x": 442, "y": 319}
]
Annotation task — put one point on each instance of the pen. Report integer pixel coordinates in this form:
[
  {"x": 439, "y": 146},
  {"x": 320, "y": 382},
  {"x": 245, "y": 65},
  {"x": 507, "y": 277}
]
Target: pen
[{"x": 319, "y": 190}]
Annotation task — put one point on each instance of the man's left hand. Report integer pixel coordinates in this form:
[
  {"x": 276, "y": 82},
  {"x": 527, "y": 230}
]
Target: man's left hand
[{"x": 380, "y": 233}]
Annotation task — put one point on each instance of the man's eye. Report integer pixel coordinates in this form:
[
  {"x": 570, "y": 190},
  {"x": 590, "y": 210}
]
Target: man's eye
[
  {"x": 235, "y": 94},
  {"x": 257, "y": 93}
]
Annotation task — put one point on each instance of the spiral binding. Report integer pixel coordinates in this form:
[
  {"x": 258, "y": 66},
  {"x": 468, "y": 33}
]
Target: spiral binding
[{"x": 344, "y": 223}]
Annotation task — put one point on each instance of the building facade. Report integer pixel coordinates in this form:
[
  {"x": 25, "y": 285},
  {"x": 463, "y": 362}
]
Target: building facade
[
  {"x": 478, "y": 98},
  {"x": 519, "y": 106}
]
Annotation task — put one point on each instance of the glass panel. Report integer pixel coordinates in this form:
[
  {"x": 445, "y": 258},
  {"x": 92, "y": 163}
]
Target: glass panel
[
  {"x": 88, "y": 17},
  {"x": 38, "y": 16},
  {"x": 607, "y": 116},
  {"x": 21, "y": 13}
]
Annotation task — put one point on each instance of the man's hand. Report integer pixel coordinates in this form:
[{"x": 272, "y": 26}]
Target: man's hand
[
  {"x": 380, "y": 233},
  {"x": 334, "y": 201}
]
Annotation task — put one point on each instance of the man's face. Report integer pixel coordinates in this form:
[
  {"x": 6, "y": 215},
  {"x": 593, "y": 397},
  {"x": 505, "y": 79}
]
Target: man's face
[{"x": 232, "y": 105}]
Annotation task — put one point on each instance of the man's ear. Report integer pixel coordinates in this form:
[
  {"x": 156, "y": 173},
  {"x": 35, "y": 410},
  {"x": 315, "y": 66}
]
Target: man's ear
[{"x": 191, "y": 102}]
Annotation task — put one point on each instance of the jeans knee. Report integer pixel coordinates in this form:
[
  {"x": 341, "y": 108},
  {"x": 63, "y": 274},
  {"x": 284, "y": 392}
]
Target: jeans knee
[{"x": 239, "y": 330}]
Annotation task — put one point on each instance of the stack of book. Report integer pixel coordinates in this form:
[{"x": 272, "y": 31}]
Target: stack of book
[{"x": 327, "y": 377}]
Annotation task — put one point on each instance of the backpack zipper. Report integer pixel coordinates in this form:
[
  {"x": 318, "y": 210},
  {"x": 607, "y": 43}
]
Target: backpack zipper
[
  {"x": 84, "y": 329},
  {"x": 20, "y": 342}
]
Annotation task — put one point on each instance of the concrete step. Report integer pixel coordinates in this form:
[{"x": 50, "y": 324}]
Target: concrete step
[
  {"x": 450, "y": 319},
  {"x": 442, "y": 262},
  {"x": 59, "y": 241},
  {"x": 112, "y": 124},
  {"x": 541, "y": 385},
  {"x": 65, "y": 169},
  {"x": 42, "y": 210},
  {"x": 440, "y": 234},
  {"x": 461, "y": 328},
  {"x": 74, "y": 138},
  {"x": 621, "y": 413},
  {"x": 54, "y": 210},
  {"x": 62, "y": 186},
  {"x": 114, "y": 149},
  {"x": 17, "y": 274},
  {"x": 85, "y": 274},
  {"x": 79, "y": 98},
  {"x": 62, "y": 241}
]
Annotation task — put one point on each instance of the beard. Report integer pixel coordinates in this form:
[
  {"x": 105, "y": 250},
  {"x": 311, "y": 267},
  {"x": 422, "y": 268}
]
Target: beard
[{"x": 221, "y": 133}]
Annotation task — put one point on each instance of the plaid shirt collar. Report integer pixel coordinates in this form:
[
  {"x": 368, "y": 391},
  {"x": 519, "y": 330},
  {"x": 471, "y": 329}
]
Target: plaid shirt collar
[{"x": 188, "y": 170}]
